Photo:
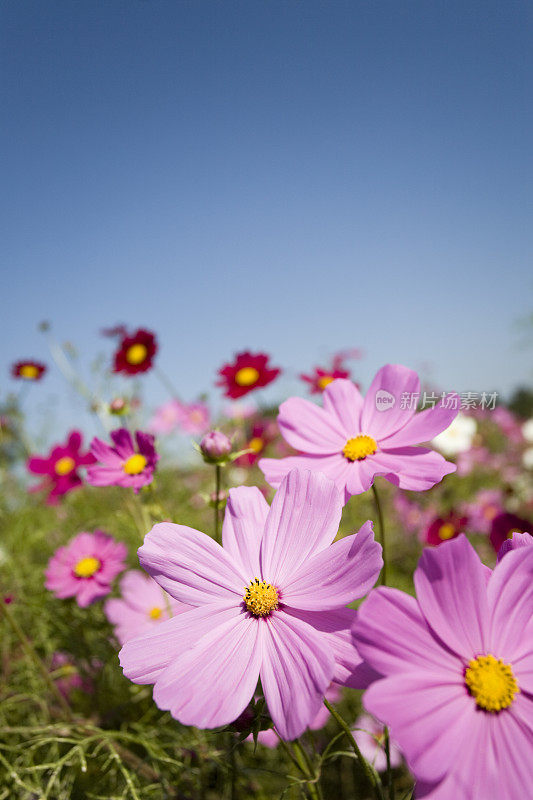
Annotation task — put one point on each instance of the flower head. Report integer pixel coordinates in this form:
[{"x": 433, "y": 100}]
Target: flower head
[
  {"x": 85, "y": 567},
  {"x": 246, "y": 373},
  {"x": 442, "y": 529},
  {"x": 262, "y": 433},
  {"x": 60, "y": 467},
  {"x": 515, "y": 542},
  {"x": 143, "y": 605},
  {"x": 121, "y": 464},
  {"x": 322, "y": 377},
  {"x": 504, "y": 526},
  {"x": 456, "y": 667},
  {"x": 270, "y": 603},
  {"x": 28, "y": 370},
  {"x": 135, "y": 353},
  {"x": 352, "y": 439},
  {"x": 487, "y": 504},
  {"x": 190, "y": 417},
  {"x": 215, "y": 447},
  {"x": 458, "y": 437}
]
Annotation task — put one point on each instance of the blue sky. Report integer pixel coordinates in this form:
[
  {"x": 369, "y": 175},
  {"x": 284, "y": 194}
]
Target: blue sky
[{"x": 296, "y": 177}]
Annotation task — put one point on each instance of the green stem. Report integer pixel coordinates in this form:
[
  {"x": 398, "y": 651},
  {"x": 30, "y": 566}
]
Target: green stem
[
  {"x": 301, "y": 760},
  {"x": 383, "y": 576},
  {"x": 217, "y": 501},
  {"x": 32, "y": 654},
  {"x": 370, "y": 773},
  {"x": 390, "y": 782}
]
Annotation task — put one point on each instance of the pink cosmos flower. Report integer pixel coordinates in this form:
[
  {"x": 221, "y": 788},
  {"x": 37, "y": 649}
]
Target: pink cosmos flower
[
  {"x": 369, "y": 735},
  {"x": 194, "y": 418},
  {"x": 412, "y": 517},
  {"x": 122, "y": 464},
  {"x": 66, "y": 675},
  {"x": 457, "y": 672},
  {"x": 143, "y": 605},
  {"x": 269, "y": 603},
  {"x": 487, "y": 504},
  {"x": 85, "y": 567},
  {"x": 166, "y": 418},
  {"x": 351, "y": 439},
  {"x": 60, "y": 467}
]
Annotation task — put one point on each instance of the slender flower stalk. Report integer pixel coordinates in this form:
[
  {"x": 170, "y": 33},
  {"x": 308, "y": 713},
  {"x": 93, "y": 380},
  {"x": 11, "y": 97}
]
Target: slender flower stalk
[{"x": 217, "y": 502}]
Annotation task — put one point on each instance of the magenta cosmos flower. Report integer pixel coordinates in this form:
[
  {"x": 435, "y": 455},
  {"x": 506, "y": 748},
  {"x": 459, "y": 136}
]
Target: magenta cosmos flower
[
  {"x": 516, "y": 541},
  {"x": 351, "y": 439},
  {"x": 122, "y": 464},
  {"x": 85, "y": 567},
  {"x": 60, "y": 467},
  {"x": 457, "y": 667},
  {"x": 142, "y": 606},
  {"x": 270, "y": 603}
]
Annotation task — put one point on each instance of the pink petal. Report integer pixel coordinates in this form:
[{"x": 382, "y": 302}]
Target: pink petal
[
  {"x": 104, "y": 453},
  {"x": 450, "y": 583},
  {"x": 303, "y": 519},
  {"x": 191, "y": 566},
  {"x": 342, "y": 399},
  {"x": 428, "y": 720},
  {"x": 393, "y": 636},
  {"x": 309, "y": 428},
  {"x": 424, "y": 426},
  {"x": 212, "y": 683},
  {"x": 336, "y": 626},
  {"x": 244, "y": 523},
  {"x": 337, "y": 575},
  {"x": 414, "y": 468},
  {"x": 145, "y": 658},
  {"x": 510, "y": 600},
  {"x": 122, "y": 442},
  {"x": 395, "y": 380},
  {"x": 361, "y": 475},
  {"x": 297, "y": 668},
  {"x": 335, "y": 467}
]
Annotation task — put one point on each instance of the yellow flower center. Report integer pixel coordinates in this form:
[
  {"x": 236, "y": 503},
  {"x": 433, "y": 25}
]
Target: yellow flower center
[
  {"x": 246, "y": 376},
  {"x": 135, "y": 464},
  {"x": 513, "y": 530},
  {"x": 136, "y": 354},
  {"x": 359, "y": 447},
  {"x": 28, "y": 371},
  {"x": 155, "y": 612},
  {"x": 87, "y": 567},
  {"x": 64, "y": 465},
  {"x": 261, "y": 598},
  {"x": 491, "y": 683},
  {"x": 256, "y": 444},
  {"x": 447, "y": 531},
  {"x": 324, "y": 381}
]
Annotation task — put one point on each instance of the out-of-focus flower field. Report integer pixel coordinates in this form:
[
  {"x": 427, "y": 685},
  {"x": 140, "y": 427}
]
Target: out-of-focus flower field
[{"x": 73, "y": 591}]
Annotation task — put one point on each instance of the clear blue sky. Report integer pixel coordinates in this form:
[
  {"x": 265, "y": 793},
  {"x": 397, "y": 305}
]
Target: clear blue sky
[{"x": 289, "y": 176}]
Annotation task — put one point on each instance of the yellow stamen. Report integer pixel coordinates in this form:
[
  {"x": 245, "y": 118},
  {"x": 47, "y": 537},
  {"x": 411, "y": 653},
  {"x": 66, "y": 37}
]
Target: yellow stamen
[
  {"x": 491, "y": 683},
  {"x": 261, "y": 598},
  {"x": 87, "y": 567},
  {"x": 28, "y": 371},
  {"x": 135, "y": 464},
  {"x": 155, "y": 612},
  {"x": 359, "y": 447},
  {"x": 64, "y": 465},
  {"x": 324, "y": 381},
  {"x": 136, "y": 354},
  {"x": 447, "y": 531},
  {"x": 256, "y": 444},
  {"x": 246, "y": 376}
]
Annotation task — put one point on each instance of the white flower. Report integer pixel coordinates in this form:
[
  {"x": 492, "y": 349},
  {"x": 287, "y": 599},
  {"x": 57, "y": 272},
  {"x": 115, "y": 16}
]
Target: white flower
[
  {"x": 527, "y": 430},
  {"x": 458, "y": 437},
  {"x": 527, "y": 458}
]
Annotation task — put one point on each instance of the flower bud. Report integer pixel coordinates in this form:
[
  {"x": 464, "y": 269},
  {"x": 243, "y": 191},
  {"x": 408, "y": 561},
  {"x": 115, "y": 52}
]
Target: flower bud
[{"x": 215, "y": 447}]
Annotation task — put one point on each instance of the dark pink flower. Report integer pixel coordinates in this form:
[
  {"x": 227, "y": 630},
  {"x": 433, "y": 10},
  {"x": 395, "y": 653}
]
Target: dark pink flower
[
  {"x": 60, "y": 467},
  {"x": 246, "y": 373},
  {"x": 441, "y": 529},
  {"x": 28, "y": 370},
  {"x": 504, "y": 526},
  {"x": 85, "y": 567},
  {"x": 121, "y": 464},
  {"x": 135, "y": 353}
]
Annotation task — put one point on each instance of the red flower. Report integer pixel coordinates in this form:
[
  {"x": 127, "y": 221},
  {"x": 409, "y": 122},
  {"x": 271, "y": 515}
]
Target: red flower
[
  {"x": 441, "y": 529},
  {"x": 135, "y": 353},
  {"x": 320, "y": 378},
  {"x": 504, "y": 525},
  {"x": 247, "y": 372},
  {"x": 263, "y": 432},
  {"x": 28, "y": 370},
  {"x": 60, "y": 467}
]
